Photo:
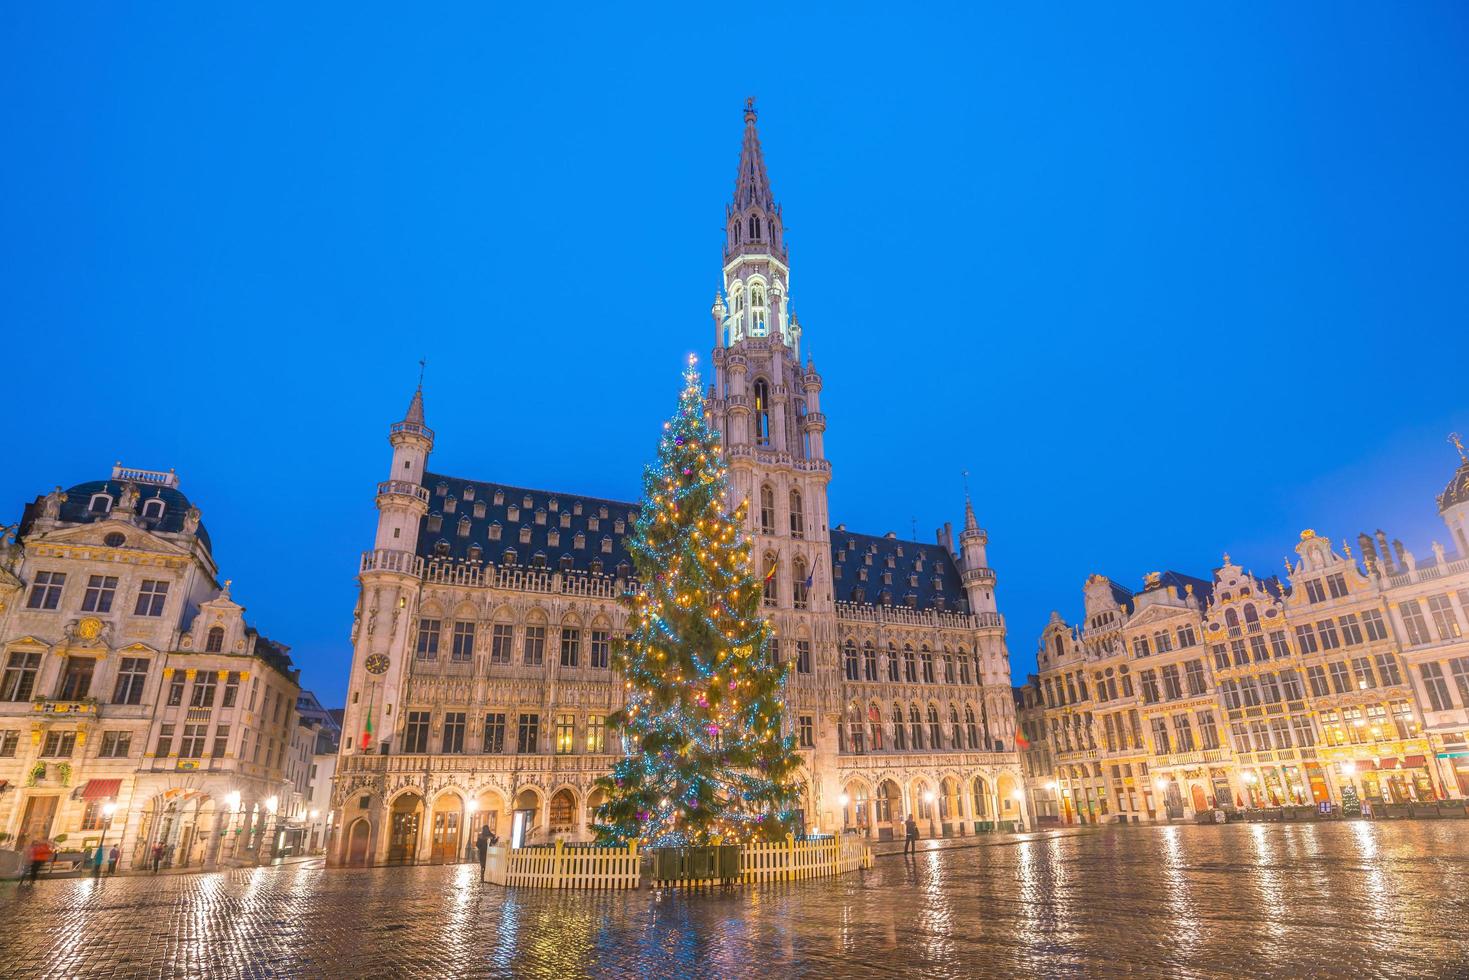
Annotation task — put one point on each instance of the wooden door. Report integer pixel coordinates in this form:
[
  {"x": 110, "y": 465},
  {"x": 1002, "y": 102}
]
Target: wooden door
[{"x": 40, "y": 811}]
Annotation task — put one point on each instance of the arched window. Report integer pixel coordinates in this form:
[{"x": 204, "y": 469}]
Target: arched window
[
  {"x": 1231, "y": 618},
  {"x": 767, "y": 509},
  {"x": 874, "y": 726},
  {"x": 1059, "y": 644},
  {"x": 101, "y": 503},
  {"x": 915, "y": 727},
  {"x": 798, "y": 519},
  {"x": 153, "y": 508},
  {"x": 759, "y": 324},
  {"x": 900, "y": 737},
  {"x": 214, "y": 641},
  {"x": 800, "y": 585},
  {"x": 768, "y": 585},
  {"x": 849, "y": 660},
  {"x": 762, "y": 415},
  {"x": 910, "y": 666},
  {"x": 933, "y": 727},
  {"x": 971, "y": 727},
  {"x": 927, "y": 657},
  {"x": 948, "y": 667},
  {"x": 958, "y": 742},
  {"x": 1250, "y": 615},
  {"x": 869, "y": 662},
  {"x": 893, "y": 663}
]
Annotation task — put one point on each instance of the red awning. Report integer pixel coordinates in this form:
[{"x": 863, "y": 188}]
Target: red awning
[
  {"x": 1414, "y": 761},
  {"x": 1363, "y": 764},
  {"x": 101, "y": 789},
  {"x": 1388, "y": 763}
]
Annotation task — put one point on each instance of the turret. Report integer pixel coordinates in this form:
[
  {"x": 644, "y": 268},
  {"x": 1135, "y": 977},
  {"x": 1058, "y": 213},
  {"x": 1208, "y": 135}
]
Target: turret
[
  {"x": 1453, "y": 503},
  {"x": 402, "y": 500},
  {"x": 979, "y": 578}
]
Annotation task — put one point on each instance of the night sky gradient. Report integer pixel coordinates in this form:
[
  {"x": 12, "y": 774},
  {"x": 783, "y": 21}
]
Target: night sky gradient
[{"x": 1169, "y": 280}]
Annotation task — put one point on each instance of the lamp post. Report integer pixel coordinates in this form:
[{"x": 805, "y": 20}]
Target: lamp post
[
  {"x": 271, "y": 805},
  {"x": 1051, "y": 786},
  {"x": 928, "y": 799},
  {"x": 469, "y": 832},
  {"x": 108, "y": 809},
  {"x": 232, "y": 807},
  {"x": 1161, "y": 785},
  {"x": 1019, "y": 797}
]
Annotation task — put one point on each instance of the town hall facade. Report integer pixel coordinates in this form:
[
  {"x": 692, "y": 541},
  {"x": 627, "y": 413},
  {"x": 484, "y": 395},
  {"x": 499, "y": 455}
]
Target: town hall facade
[{"x": 481, "y": 676}]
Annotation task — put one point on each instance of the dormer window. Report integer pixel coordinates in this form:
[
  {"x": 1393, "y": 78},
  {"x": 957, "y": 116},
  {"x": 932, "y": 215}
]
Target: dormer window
[
  {"x": 468, "y": 492},
  {"x": 632, "y": 517},
  {"x": 602, "y": 512},
  {"x": 525, "y": 535},
  {"x": 509, "y": 557},
  {"x": 858, "y": 594},
  {"x": 442, "y": 490},
  {"x": 553, "y": 505},
  {"x": 566, "y": 563},
  {"x": 576, "y": 508},
  {"x": 938, "y": 602},
  {"x": 885, "y": 597},
  {"x": 479, "y": 508},
  {"x": 861, "y": 574},
  {"x": 435, "y": 523},
  {"x": 887, "y": 578},
  {"x": 495, "y": 531},
  {"x": 579, "y": 541},
  {"x": 538, "y": 559},
  {"x": 475, "y": 551},
  {"x": 464, "y": 527},
  {"x": 565, "y": 519},
  {"x": 892, "y": 562},
  {"x": 214, "y": 640},
  {"x": 593, "y": 524},
  {"x": 867, "y": 559},
  {"x": 618, "y": 527},
  {"x": 499, "y": 497},
  {"x": 153, "y": 509},
  {"x": 606, "y": 546},
  {"x": 836, "y": 573},
  {"x": 541, "y": 516},
  {"x": 526, "y": 502},
  {"x": 624, "y": 570},
  {"x": 441, "y": 548},
  {"x": 512, "y": 513},
  {"x": 101, "y": 503},
  {"x": 450, "y": 505},
  {"x": 912, "y": 580},
  {"x": 553, "y": 538},
  {"x": 596, "y": 566},
  {"x": 918, "y": 564},
  {"x": 911, "y": 600}
]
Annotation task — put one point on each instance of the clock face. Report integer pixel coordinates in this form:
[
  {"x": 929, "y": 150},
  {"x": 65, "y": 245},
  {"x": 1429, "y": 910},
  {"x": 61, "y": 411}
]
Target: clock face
[{"x": 377, "y": 663}]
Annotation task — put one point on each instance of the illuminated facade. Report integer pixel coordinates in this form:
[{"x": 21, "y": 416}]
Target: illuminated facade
[
  {"x": 486, "y": 614},
  {"x": 1345, "y": 682},
  {"x": 135, "y": 700}
]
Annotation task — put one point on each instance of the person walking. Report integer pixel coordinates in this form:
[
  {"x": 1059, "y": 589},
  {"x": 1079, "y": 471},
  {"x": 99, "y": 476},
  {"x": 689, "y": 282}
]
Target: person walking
[
  {"x": 112, "y": 857},
  {"x": 482, "y": 842},
  {"x": 157, "y": 856},
  {"x": 41, "y": 852},
  {"x": 910, "y": 836}
]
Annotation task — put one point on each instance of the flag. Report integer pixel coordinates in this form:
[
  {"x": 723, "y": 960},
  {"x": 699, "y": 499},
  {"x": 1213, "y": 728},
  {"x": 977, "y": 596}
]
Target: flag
[
  {"x": 367, "y": 729},
  {"x": 1021, "y": 742},
  {"x": 773, "y": 565},
  {"x": 812, "y": 577}
]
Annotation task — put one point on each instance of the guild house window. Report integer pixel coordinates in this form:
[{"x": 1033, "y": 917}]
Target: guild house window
[
  {"x": 101, "y": 589},
  {"x": 151, "y": 598},
  {"x": 214, "y": 642},
  {"x": 46, "y": 590},
  {"x": 428, "y": 639},
  {"x": 494, "y": 732},
  {"x": 415, "y": 734}
]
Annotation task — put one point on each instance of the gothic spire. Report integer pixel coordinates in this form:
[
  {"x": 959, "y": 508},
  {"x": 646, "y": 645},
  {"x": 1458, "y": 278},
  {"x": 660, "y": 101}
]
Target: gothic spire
[
  {"x": 752, "y": 184},
  {"x": 415, "y": 407}
]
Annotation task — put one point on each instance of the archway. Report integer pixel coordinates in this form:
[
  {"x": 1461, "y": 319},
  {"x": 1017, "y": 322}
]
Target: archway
[
  {"x": 489, "y": 811},
  {"x": 889, "y": 809},
  {"x": 595, "y": 799},
  {"x": 923, "y": 804},
  {"x": 855, "y": 813},
  {"x": 1011, "y": 809},
  {"x": 404, "y": 820},
  {"x": 982, "y": 799},
  {"x": 524, "y": 821},
  {"x": 950, "y": 812},
  {"x": 359, "y": 843},
  {"x": 448, "y": 826},
  {"x": 562, "y": 814}
]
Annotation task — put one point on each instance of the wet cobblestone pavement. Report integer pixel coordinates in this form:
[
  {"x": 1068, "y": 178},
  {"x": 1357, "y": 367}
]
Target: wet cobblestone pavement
[{"x": 1349, "y": 899}]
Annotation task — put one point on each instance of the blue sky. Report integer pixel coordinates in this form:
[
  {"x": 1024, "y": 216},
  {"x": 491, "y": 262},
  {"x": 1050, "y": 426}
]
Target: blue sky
[{"x": 1167, "y": 280}]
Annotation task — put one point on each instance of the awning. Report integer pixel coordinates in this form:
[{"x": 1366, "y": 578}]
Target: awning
[
  {"x": 1388, "y": 763},
  {"x": 1414, "y": 761},
  {"x": 1362, "y": 764},
  {"x": 101, "y": 789}
]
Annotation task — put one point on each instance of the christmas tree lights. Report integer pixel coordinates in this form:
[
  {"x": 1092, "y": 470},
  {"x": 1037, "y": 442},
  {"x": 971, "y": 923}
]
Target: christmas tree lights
[{"x": 702, "y": 726}]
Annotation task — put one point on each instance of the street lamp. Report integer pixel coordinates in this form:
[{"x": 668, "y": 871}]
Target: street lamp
[
  {"x": 1051, "y": 786},
  {"x": 108, "y": 809}
]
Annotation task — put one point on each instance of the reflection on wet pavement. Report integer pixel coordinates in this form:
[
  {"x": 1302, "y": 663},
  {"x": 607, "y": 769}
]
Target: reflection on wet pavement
[{"x": 1354, "y": 898}]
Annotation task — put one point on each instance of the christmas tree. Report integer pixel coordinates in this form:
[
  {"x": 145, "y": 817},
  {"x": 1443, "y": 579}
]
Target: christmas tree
[{"x": 706, "y": 757}]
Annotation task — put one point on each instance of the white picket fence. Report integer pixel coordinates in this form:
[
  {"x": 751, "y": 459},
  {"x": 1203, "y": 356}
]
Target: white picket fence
[
  {"x": 608, "y": 868},
  {"x": 588, "y": 868},
  {"x": 793, "y": 860}
]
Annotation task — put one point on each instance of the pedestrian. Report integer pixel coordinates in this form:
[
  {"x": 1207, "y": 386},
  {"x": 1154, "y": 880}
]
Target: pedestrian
[
  {"x": 910, "y": 835},
  {"x": 40, "y": 853},
  {"x": 482, "y": 841},
  {"x": 97, "y": 862},
  {"x": 157, "y": 857},
  {"x": 112, "y": 857}
]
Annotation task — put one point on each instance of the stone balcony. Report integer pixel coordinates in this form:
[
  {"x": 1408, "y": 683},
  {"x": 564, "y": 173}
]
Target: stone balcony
[{"x": 65, "y": 706}]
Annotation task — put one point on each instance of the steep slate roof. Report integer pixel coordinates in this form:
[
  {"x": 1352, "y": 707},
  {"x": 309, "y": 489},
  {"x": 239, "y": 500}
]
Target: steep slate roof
[
  {"x": 79, "y": 498},
  {"x": 553, "y": 504},
  {"x": 939, "y": 585}
]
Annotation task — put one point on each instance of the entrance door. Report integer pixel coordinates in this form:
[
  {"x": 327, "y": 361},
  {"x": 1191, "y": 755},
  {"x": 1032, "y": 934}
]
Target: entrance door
[
  {"x": 520, "y": 822},
  {"x": 404, "y": 838},
  {"x": 40, "y": 811},
  {"x": 1201, "y": 803},
  {"x": 446, "y": 836},
  {"x": 1173, "y": 801},
  {"x": 357, "y": 845}
]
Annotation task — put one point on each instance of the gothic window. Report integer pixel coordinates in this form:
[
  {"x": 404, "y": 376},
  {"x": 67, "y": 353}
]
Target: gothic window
[
  {"x": 915, "y": 727},
  {"x": 800, "y": 584},
  {"x": 768, "y": 586},
  {"x": 849, "y": 660},
  {"x": 869, "y": 662},
  {"x": 874, "y": 726},
  {"x": 971, "y": 727},
  {"x": 758, "y": 314},
  {"x": 762, "y": 412},
  {"x": 798, "y": 519},
  {"x": 900, "y": 737},
  {"x": 767, "y": 510},
  {"x": 958, "y": 742},
  {"x": 910, "y": 666}
]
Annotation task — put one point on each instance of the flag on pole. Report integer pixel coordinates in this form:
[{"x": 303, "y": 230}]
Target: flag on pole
[
  {"x": 773, "y": 565},
  {"x": 1021, "y": 742},
  {"x": 367, "y": 728}
]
